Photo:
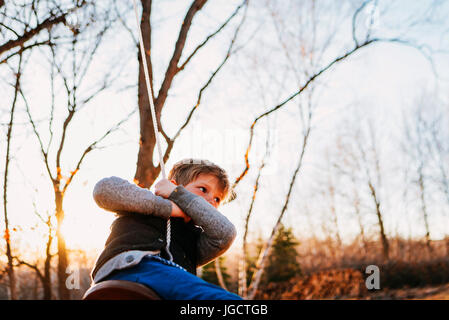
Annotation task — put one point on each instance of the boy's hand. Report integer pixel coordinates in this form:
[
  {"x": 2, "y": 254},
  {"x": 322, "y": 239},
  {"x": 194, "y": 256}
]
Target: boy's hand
[
  {"x": 176, "y": 212},
  {"x": 164, "y": 188}
]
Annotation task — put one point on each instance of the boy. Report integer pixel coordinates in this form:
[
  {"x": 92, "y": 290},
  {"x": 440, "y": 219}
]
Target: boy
[{"x": 135, "y": 250}]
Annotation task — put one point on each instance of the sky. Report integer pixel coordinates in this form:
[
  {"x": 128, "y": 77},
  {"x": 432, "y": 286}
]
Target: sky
[{"x": 379, "y": 81}]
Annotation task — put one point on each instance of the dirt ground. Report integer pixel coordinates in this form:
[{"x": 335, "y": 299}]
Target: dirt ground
[
  {"x": 345, "y": 284},
  {"x": 426, "y": 293}
]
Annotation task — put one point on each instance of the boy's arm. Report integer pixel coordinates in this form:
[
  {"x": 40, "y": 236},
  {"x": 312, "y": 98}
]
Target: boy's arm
[
  {"x": 116, "y": 194},
  {"x": 218, "y": 232}
]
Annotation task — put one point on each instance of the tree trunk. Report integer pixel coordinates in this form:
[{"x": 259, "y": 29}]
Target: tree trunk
[
  {"x": 7, "y": 235},
  {"x": 10, "y": 270},
  {"x": 46, "y": 283},
  {"x": 64, "y": 293},
  {"x": 334, "y": 215},
  {"x": 146, "y": 172},
  {"x": 383, "y": 237},
  {"x": 356, "y": 203},
  {"x": 219, "y": 274},
  {"x": 424, "y": 208},
  {"x": 265, "y": 252}
]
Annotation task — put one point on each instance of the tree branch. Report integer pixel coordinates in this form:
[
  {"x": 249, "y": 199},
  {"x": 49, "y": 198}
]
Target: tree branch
[
  {"x": 183, "y": 65},
  {"x": 248, "y": 215},
  {"x": 32, "y": 266},
  {"x": 209, "y": 81},
  {"x": 92, "y": 146},
  {"x": 23, "y": 49},
  {"x": 46, "y": 24},
  {"x": 36, "y": 133},
  {"x": 10, "y": 266},
  {"x": 354, "y": 20},
  {"x": 173, "y": 64},
  {"x": 265, "y": 253},
  {"x": 292, "y": 96}
]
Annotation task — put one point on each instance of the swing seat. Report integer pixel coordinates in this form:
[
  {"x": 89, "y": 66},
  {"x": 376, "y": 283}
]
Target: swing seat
[{"x": 120, "y": 290}]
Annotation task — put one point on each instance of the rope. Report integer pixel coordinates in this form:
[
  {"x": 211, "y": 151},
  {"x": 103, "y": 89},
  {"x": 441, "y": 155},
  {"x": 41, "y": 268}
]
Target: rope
[{"x": 153, "y": 115}]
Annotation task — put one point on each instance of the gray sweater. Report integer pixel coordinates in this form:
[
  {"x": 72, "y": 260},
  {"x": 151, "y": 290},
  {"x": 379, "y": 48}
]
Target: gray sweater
[{"x": 116, "y": 194}]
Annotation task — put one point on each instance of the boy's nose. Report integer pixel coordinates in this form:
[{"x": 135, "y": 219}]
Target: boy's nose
[{"x": 211, "y": 201}]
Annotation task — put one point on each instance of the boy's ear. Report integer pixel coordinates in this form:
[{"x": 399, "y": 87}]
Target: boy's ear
[{"x": 173, "y": 181}]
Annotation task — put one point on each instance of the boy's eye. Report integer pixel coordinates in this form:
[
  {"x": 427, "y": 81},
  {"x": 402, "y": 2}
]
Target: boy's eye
[
  {"x": 217, "y": 200},
  {"x": 203, "y": 189}
]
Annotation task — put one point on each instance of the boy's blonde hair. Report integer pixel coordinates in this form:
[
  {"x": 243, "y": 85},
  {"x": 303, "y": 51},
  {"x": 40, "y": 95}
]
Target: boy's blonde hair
[{"x": 187, "y": 170}]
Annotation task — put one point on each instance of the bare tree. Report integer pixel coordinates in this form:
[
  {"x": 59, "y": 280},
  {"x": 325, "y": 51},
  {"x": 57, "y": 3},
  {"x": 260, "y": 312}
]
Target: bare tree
[
  {"x": 219, "y": 274},
  {"x": 327, "y": 189},
  {"x": 440, "y": 153},
  {"x": 347, "y": 166},
  {"x": 406, "y": 201},
  {"x": 363, "y": 35},
  {"x": 315, "y": 72},
  {"x": 147, "y": 171},
  {"x": 357, "y": 212},
  {"x": 243, "y": 290},
  {"x": 19, "y": 24},
  {"x": 69, "y": 65},
  {"x": 45, "y": 276},
  {"x": 7, "y": 236},
  {"x": 331, "y": 191},
  {"x": 358, "y": 162},
  {"x": 315, "y": 55},
  {"x": 420, "y": 144},
  {"x": 370, "y": 165},
  {"x": 438, "y": 148},
  {"x": 421, "y": 184},
  {"x": 265, "y": 253}
]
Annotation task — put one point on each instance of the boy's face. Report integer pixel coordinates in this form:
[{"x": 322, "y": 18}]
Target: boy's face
[{"x": 206, "y": 186}]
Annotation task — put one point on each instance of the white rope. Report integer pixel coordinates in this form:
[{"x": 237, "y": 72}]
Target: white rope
[{"x": 153, "y": 115}]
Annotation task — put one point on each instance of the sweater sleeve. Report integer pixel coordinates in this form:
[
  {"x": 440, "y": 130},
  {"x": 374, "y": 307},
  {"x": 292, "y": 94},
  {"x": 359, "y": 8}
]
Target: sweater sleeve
[
  {"x": 218, "y": 232},
  {"x": 116, "y": 194}
]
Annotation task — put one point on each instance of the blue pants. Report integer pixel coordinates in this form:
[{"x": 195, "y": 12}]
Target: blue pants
[{"x": 171, "y": 282}]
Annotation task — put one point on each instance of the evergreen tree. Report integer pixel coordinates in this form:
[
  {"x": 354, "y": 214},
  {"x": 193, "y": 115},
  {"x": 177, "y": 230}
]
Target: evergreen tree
[
  {"x": 282, "y": 263},
  {"x": 209, "y": 274}
]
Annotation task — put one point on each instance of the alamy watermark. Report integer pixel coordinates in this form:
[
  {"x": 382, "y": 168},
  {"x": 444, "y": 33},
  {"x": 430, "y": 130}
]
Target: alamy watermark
[
  {"x": 73, "y": 279},
  {"x": 373, "y": 280},
  {"x": 227, "y": 147},
  {"x": 371, "y": 14}
]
